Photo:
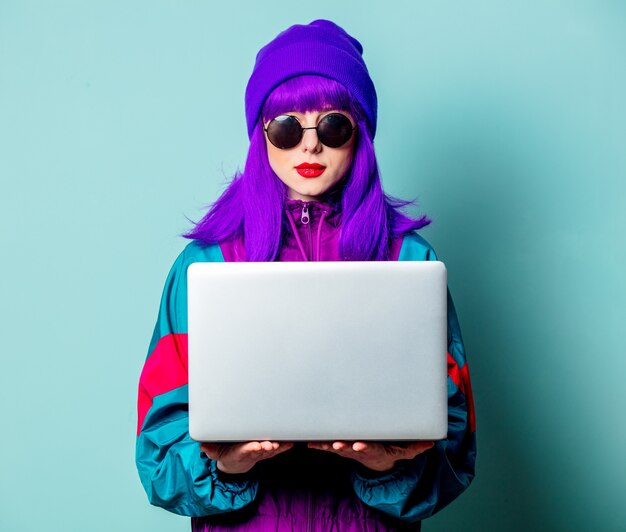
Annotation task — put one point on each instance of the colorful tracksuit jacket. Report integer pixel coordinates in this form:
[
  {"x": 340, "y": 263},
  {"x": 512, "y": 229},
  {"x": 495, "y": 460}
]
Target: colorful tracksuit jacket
[{"x": 299, "y": 489}]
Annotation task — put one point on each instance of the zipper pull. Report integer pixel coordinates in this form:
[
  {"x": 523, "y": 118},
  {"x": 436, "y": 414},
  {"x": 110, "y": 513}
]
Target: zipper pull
[{"x": 304, "y": 218}]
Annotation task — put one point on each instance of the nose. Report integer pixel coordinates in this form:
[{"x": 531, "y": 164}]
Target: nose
[{"x": 310, "y": 141}]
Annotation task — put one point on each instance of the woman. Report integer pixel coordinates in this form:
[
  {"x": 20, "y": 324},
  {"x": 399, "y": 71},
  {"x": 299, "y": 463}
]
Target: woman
[{"x": 310, "y": 190}]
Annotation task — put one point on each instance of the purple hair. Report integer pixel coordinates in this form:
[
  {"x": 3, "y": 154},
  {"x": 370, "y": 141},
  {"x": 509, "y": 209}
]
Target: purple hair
[{"x": 252, "y": 205}]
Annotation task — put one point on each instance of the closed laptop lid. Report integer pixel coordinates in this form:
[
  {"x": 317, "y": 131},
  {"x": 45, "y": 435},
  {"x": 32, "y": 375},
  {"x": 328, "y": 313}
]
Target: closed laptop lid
[{"x": 317, "y": 351}]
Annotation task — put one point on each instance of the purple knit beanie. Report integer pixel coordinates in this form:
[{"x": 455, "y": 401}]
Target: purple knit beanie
[{"x": 321, "y": 47}]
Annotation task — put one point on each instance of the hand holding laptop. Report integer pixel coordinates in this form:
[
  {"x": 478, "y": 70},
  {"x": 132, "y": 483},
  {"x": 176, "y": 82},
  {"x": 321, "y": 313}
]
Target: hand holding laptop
[
  {"x": 375, "y": 455},
  {"x": 240, "y": 457}
]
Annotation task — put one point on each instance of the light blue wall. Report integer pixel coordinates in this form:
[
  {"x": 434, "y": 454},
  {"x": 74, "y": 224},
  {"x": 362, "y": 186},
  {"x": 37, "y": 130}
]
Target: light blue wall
[{"x": 505, "y": 119}]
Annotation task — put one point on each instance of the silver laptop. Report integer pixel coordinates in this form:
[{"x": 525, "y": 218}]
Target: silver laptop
[{"x": 304, "y": 351}]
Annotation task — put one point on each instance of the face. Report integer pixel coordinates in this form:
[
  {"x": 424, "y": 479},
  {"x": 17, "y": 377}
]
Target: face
[{"x": 336, "y": 161}]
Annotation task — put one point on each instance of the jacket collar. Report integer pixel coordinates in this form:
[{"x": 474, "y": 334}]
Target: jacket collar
[{"x": 330, "y": 206}]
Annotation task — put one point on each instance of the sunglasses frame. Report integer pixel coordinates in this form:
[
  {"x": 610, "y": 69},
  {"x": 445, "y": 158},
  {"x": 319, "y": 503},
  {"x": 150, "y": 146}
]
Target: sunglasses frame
[{"x": 302, "y": 130}]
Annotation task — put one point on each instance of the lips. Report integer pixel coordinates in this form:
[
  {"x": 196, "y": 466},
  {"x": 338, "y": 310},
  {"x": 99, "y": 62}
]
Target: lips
[{"x": 310, "y": 169}]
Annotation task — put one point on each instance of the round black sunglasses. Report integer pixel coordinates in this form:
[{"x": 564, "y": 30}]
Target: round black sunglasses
[{"x": 285, "y": 131}]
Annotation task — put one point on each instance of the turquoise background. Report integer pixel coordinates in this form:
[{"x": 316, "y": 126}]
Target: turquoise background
[{"x": 506, "y": 120}]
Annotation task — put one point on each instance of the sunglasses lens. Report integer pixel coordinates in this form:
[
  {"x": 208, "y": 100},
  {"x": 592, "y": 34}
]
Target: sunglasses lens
[
  {"x": 284, "y": 132},
  {"x": 334, "y": 130}
]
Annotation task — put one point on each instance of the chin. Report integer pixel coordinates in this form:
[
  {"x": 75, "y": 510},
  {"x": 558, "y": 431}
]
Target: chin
[
  {"x": 310, "y": 190},
  {"x": 311, "y": 193}
]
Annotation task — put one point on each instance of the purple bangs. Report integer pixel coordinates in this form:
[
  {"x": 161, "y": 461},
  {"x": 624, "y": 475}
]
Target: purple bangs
[
  {"x": 310, "y": 93},
  {"x": 253, "y": 203}
]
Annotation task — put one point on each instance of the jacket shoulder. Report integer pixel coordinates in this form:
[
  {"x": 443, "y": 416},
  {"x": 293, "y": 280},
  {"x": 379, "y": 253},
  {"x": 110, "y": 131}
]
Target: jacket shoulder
[
  {"x": 416, "y": 247},
  {"x": 172, "y": 317},
  {"x": 196, "y": 251}
]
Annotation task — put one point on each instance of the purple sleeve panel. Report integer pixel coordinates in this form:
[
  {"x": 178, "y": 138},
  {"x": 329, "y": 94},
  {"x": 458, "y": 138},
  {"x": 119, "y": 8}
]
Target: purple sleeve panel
[{"x": 233, "y": 250}]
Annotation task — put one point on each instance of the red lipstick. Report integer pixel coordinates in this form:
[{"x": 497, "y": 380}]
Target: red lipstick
[{"x": 310, "y": 169}]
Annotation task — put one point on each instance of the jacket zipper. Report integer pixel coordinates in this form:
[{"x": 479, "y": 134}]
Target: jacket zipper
[{"x": 305, "y": 219}]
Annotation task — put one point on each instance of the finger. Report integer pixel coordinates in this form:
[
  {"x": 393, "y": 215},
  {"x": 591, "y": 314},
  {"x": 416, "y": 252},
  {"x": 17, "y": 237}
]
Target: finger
[
  {"x": 327, "y": 446},
  {"x": 360, "y": 446},
  {"x": 277, "y": 448},
  {"x": 344, "y": 449},
  {"x": 265, "y": 454},
  {"x": 271, "y": 448},
  {"x": 267, "y": 445},
  {"x": 251, "y": 447}
]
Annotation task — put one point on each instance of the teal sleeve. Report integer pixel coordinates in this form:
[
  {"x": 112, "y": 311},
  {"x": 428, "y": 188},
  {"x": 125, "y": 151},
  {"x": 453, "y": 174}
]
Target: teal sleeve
[
  {"x": 173, "y": 470},
  {"x": 416, "y": 489}
]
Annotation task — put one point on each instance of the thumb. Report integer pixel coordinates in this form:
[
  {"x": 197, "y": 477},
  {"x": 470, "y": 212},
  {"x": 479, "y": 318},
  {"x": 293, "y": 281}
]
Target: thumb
[{"x": 211, "y": 449}]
